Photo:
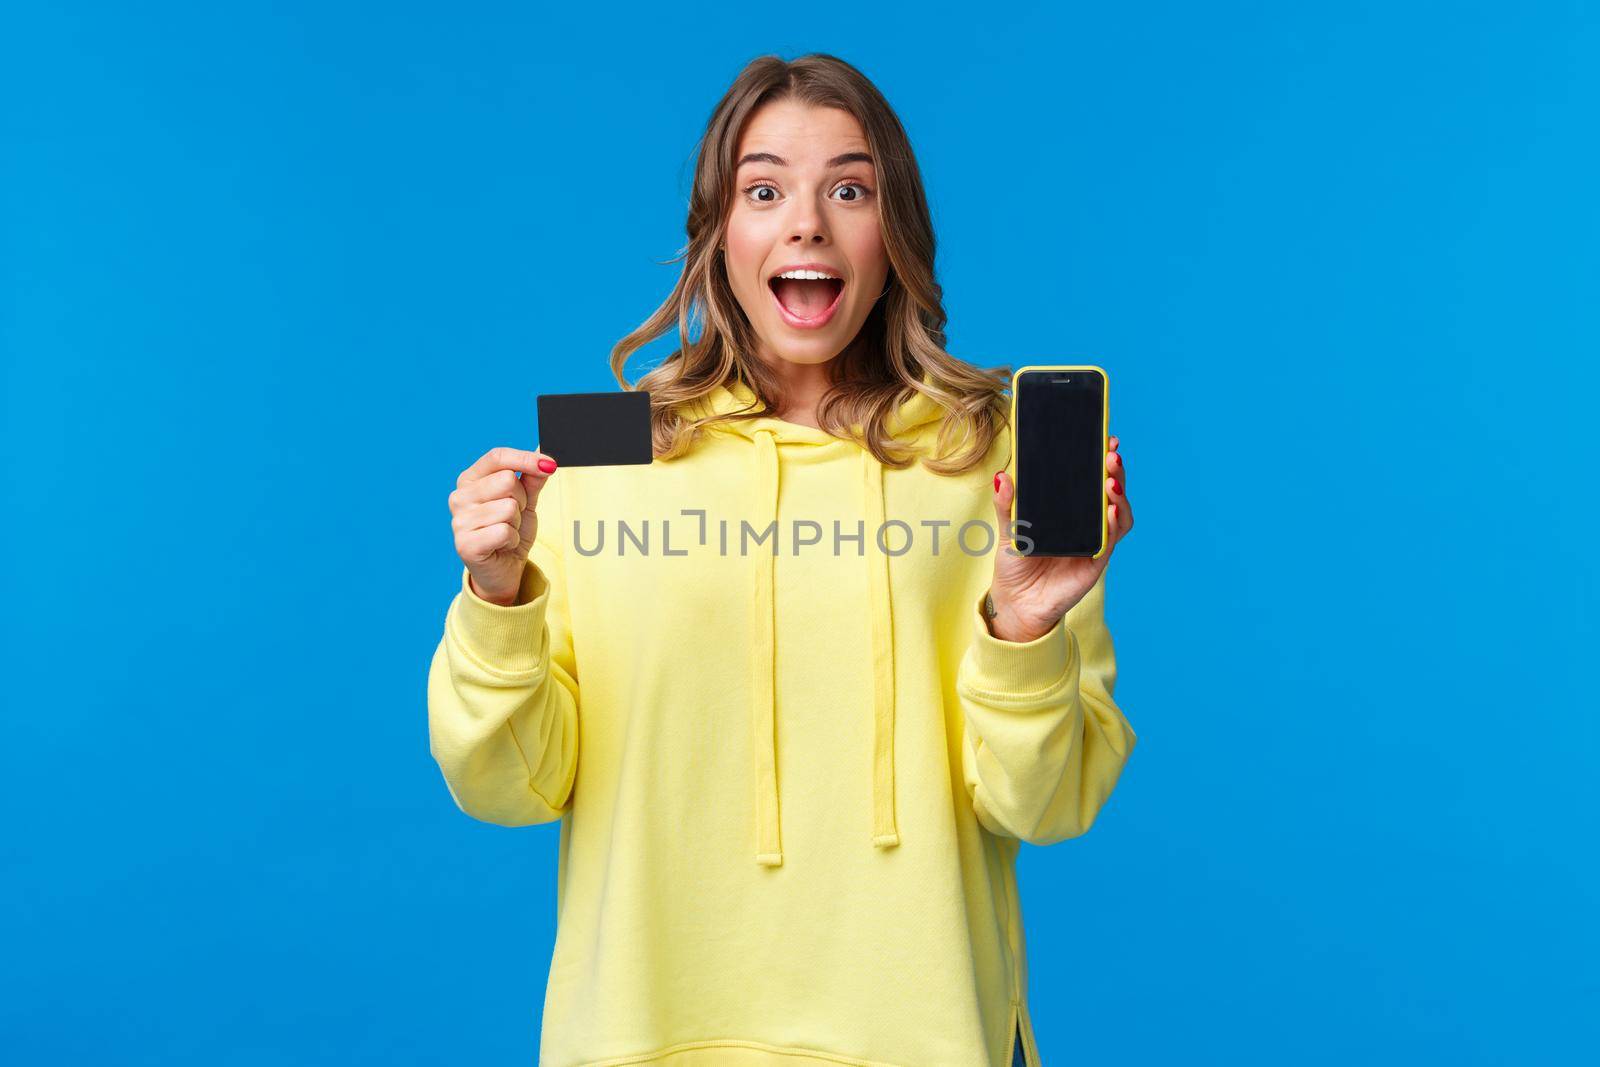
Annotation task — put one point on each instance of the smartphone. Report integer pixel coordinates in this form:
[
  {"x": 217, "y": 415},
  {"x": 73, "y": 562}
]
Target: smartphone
[
  {"x": 1060, "y": 418},
  {"x": 595, "y": 429}
]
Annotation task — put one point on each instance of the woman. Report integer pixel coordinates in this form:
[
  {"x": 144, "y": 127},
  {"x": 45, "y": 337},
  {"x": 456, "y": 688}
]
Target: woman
[{"x": 804, "y": 756}]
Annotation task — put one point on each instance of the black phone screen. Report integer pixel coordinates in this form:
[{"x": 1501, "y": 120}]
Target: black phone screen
[{"x": 1061, "y": 472}]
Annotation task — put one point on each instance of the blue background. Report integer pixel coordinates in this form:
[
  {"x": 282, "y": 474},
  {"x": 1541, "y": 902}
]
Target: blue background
[{"x": 273, "y": 276}]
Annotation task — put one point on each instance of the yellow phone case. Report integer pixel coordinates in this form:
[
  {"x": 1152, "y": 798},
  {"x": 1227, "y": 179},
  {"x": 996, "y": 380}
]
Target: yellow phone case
[{"x": 1105, "y": 437}]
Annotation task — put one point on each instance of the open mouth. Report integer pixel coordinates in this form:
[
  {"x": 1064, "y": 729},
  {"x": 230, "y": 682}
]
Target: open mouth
[{"x": 806, "y": 303}]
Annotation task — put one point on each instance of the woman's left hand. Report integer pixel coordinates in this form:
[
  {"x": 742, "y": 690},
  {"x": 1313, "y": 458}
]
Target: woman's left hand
[{"x": 1033, "y": 593}]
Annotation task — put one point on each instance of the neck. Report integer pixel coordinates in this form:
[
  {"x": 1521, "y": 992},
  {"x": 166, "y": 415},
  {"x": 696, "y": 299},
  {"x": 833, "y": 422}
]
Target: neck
[{"x": 803, "y": 387}]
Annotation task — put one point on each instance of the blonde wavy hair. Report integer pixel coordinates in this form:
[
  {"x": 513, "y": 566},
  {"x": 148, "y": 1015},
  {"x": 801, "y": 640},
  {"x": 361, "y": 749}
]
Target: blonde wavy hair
[{"x": 900, "y": 344}]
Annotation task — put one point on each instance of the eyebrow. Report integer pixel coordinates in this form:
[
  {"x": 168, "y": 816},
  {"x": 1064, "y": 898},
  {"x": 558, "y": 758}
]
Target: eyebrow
[{"x": 836, "y": 161}]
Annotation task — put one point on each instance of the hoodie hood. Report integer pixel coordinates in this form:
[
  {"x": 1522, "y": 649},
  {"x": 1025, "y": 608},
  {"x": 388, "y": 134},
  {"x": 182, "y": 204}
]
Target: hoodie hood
[{"x": 769, "y": 439}]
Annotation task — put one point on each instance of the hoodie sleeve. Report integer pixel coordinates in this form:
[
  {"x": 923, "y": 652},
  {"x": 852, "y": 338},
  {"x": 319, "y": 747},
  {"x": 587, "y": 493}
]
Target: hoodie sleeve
[
  {"x": 503, "y": 692},
  {"x": 1043, "y": 742}
]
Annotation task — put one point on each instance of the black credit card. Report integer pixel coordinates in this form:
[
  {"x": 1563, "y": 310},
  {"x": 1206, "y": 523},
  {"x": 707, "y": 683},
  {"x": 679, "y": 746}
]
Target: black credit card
[{"x": 595, "y": 429}]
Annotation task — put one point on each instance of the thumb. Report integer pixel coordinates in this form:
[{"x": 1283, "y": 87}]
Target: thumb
[
  {"x": 537, "y": 469},
  {"x": 1005, "y": 491}
]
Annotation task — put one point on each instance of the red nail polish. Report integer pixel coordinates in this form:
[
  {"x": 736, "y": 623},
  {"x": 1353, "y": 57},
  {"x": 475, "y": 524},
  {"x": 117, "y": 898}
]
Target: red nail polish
[
  {"x": 1115, "y": 488},
  {"x": 997, "y": 481},
  {"x": 547, "y": 464}
]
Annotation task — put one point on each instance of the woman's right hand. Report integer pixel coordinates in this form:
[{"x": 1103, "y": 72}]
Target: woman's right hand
[{"x": 493, "y": 513}]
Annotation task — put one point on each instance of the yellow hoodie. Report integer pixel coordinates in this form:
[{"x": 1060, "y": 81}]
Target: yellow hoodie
[{"x": 792, "y": 766}]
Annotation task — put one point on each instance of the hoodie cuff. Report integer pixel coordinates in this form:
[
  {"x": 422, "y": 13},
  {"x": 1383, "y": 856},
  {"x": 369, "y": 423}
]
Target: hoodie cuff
[
  {"x": 505, "y": 638},
  {"x": 1020, "y": 668}
]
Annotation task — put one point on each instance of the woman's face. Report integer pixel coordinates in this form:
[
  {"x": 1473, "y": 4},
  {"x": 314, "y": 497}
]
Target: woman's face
[{"x": 806, "y": 192}]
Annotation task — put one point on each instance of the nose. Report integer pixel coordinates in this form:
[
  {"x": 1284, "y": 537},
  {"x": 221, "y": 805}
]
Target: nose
[{"x": 807, "y": 226}]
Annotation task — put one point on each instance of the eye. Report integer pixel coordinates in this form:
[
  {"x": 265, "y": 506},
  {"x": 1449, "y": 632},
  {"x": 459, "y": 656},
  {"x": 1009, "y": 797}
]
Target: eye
[
  {"x": 751, "y": 190},
  {"x": 856, "y": 185}
]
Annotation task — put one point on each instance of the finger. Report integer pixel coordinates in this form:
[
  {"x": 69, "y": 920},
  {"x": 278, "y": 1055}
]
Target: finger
[
  {"x": 1113, "y": 443},
  {"x": 1116, "y": 472},
  {"x": 489, "y": 513},
  {"x": 1114, "y": 464},
  {"x": 1116, "y": 492},
  {"x": 1121, "y": 516},
  {"x": 504, "y": 458},
  {"x": 480, "y": 545},
  {"x": 501, "y": 484}
]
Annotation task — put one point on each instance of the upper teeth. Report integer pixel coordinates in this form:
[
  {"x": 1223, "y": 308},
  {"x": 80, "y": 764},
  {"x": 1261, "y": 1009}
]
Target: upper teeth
[{"x": 806, "y": 275}]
